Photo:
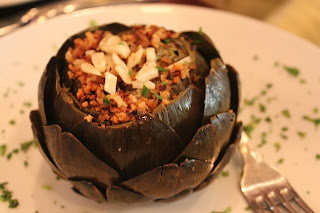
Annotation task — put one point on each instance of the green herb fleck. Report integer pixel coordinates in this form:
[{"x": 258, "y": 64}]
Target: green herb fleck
[
  {"x": 292, "y": 70},
  {"x": 27, "y": 104},
  {"x": 225, "y": 173},
  {"x": 262, "y": 107},
  {"x": 158, "y": 96},
  {"x": 130, "y": 72},
  {"x": 9, "y": 156},
  {"x": 316, "y": 121},
  {"x": 248, "y": 208},
  {"x": 145, "y": 91},
  {"x": 93, "y": 23},
  {"x": 200, "y": 31},
  {"x": 20, "y": 84},
  {"x": 280, "y": 161},
  {"x": 121, "y": 43},
  {"x": 25, "y": 163},
  {"x": 286, "y": 113},
  {"x": 263, "y": 92},
  {"x": 227, "y": 210},
  {"x": 302, "y": 81},
  {"x": 157, "y": 57},
  {"x": 250, "y": 102},
  {"x": 167, "y": 40},
  {"x": 277, "y": 145},
  {"x": 13, "y": 203},
  {"x": 316, "y": 110},
  {"x": 26, "y": 145},
  {"x": 255, "y": 57},
  {"x": 165, "y": 83},
  {"x": 250, "y": 127},
  {"x": 269, "y": 85},
  {"x": 46, "y": 187},
  {"x": 268, "y": 119},
  {"x": 57, "y": 177},
  {"x": 308, "y": 192},
  {"x": 62, "y": 206},
  {"x": 285, "y": 137},
  {"x": 106, "y": 101},
  {"x": 318, "y": 156},
  {"x": 6, "y": 196},
  {"x": 276, "y": 63},
  {"x": 21, "y": 111},
  {"x": 160, "y": 69},
  {"x": 285, "y": 128},
  {"x": 3, "y": 149},
  {"x": 15, "y": 151},
  {"x": 12, "y": 122},
  {"x": 196, "y": 41},
  {"x": 301, "y": 134}
]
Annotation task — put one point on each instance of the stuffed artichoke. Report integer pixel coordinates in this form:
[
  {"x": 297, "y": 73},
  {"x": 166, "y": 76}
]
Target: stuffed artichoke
[{"x": 137, "y": 114}]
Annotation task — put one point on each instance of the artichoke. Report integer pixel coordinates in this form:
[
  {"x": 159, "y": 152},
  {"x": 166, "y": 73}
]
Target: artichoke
[{"x": 161, "y": 154}]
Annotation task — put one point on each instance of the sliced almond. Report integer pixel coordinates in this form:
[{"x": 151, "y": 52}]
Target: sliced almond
[
  {"x": 135, "y": 58},
  {"x": 110, "y": 85},
  {"x": 139, "y": 85},
  {"x": 118, "y": 61},
  {"x": 90, "y": 69},
  {"x": 109, "y": 63},
  {"x": 151, "y": 54},
  {"x": 113, "y": 44},
  {"x": 89, "y": 52},
  {"x": 147, "y": 72},
  {"x": 99, "y": 61},
  {"x": 124, "y": 74},
  {"x": 182, "y": 61}
]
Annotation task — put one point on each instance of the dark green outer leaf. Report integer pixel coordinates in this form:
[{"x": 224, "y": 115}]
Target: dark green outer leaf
[
  {"x": 235, "y": 88},
  {"x": 118, "y": 195},
  {"x": 167, "y": 181},
  {"x": 74, "y": 160},
  {"x": 88, "y": 190},
  {"x": 217, "y": 94},
  {"x": 131, "y": 148},
  {"x": 40, "y": 141},
  {"x": 183, "y": 113},
  {"x": 210, "y": 139}
]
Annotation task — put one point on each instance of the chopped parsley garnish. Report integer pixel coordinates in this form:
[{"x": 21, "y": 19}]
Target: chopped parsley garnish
[
  {"x": 157, "y": 57},
  {"x": 250, "y": 127},
  {"x": 315, "y": 110},
  {"x": 200, "y": 31},
  {"x": 158, "y": 96},
  {"x": 227, "y": 210},
  {"x": 6, "y": 196},
  {"x": 165, "y": 83},
  {"x": 302, "y": 134},
  {"x": 186, "y": 63},
  {"x": 286, "y": 113},
  {"x": 196, "y": 41},
  {"x": 20, "y": 84},
  {"x": 9, "y": 156},
  {"x": 225, "y": 173},
  {"x": 262, "y": 107},
  {"x": 285, "y": 137},
  {"x": 145, "y": 91},
  {"x": 46, "y": 187},
  {"x": 280, "y": 161},
  {"x": 269, "y": 85},
  {"x": 268, "y": 119},
  {"x": 130, "y": 72},
  {"x": 318, "y": 156},
  {"x": 21, "y": 111},
  {"x": 255, "y": 57},
  {"x": 276, "y": 63},
  {"x": 106, "y": 101},
  {"x": 285, "y": 128},
  {"x": 57, "y": 177},
  {"x": 250, "y": 102},
  {"x": 316, "y": 121},
  {"x": 12, "y": 122},
  {"x": 3, "y": 149},
  {"x": 93, "y": 23},
  {"x": 121, "y": 43},
  {"x": 277, "y": 145},
  {"x": 27, "y": 104},
  {"x": 292, "y": 70},
  {"x": 160, "y": 69},
  {"x": 302, "y": 81},
  {"x": 25, "y": 163},
  {"x": 26, "y": 145},
  {"x": 167, "y": 40}
]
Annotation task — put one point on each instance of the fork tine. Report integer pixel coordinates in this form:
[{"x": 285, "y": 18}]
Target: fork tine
[
  {"x": 272, "y": 202},
  {"x": 285, "y": 202},
  {"x": 299, "y": 201}
]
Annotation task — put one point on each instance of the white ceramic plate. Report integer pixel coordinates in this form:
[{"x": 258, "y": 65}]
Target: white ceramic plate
[
  {"x": 257, "y": 50},
  {"x": 9, "y": 3}
]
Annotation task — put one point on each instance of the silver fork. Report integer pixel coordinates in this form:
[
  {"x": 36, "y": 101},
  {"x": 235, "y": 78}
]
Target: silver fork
[{"x": 265, "y": 189}]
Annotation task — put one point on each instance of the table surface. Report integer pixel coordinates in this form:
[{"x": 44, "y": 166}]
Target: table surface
[{"x": 301, "y": 17}]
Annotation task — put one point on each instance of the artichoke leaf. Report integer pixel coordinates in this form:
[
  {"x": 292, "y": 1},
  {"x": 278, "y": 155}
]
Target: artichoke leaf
[
  {"x": 176, "y": 197},
  {"x": 40, "y": 141},
  {"x": 235, "y": 88},
  {"x": 170, "y": 179},
  {"x": 74, "y": 160},
  {"x": 210, "y": 139},
  {"x": 217, "y": 94},
  {"x": 88, "y": 189},
  {"x": 203, "y": 44},
  {"x": 184, "y": 113},
  {"x": 131, "y": 148},
  {"x": 118, "y": 195},
  {"x": 176, "y": 89}
]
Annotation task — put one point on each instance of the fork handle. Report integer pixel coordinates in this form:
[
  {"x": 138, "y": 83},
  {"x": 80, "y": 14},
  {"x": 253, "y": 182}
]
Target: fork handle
[{"x": 249, "y": 155}]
